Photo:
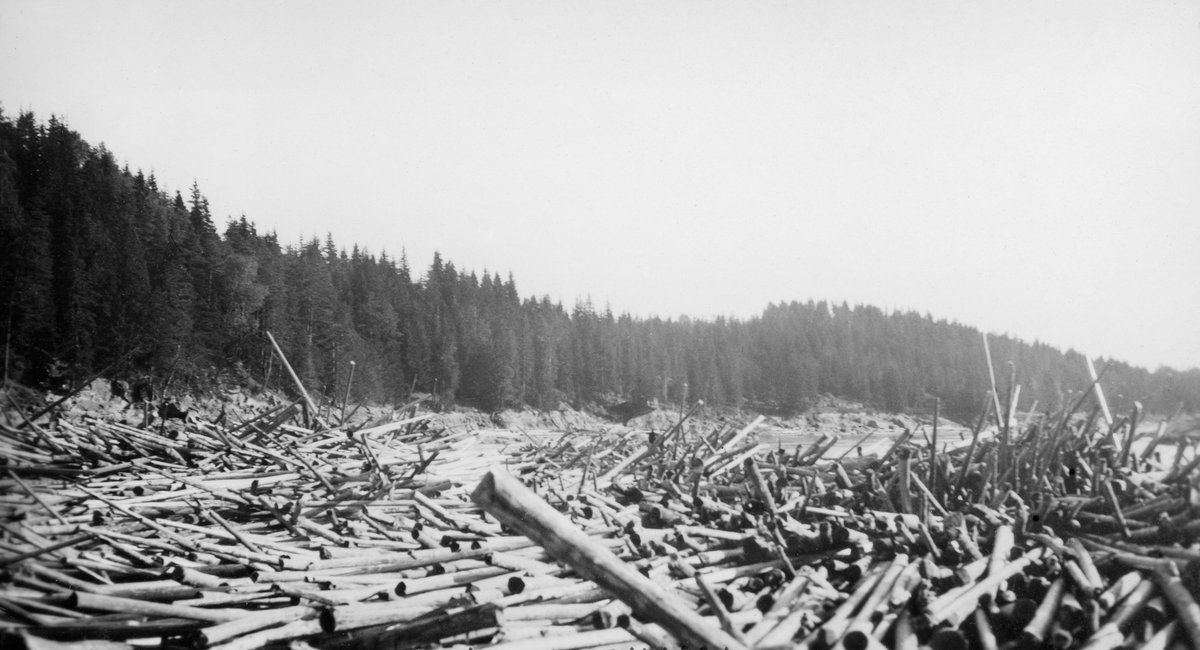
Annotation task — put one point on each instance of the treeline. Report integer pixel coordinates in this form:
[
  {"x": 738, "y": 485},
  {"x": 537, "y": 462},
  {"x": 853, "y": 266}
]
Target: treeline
[{"x": 97, "y": 261}]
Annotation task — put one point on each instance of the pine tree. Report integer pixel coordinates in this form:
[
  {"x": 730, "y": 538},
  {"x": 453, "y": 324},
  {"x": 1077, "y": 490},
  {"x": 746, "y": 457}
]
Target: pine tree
[{"x": 95, "y": 259}]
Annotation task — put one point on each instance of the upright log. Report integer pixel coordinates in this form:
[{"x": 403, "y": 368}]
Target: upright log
[
  {"x": 308, "y": 401},
  {"x": 1099, "y": 392}
]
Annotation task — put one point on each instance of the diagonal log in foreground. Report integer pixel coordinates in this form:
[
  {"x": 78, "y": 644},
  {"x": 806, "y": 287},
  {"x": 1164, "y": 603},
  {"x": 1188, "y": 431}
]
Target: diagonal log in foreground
[{"x": 505, "y": 498}]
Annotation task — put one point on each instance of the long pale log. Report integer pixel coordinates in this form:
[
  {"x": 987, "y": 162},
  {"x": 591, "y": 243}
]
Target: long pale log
[
  {"x": 1099, "y": 392},
  {"x": 114, "y": 628},
  {"x": 1120, "y": 589},
  {"x": 1111, "y": 634},
  {"x": 781, "y": 607},
  {"x": 1162, "y": 638},
  {"x": 987, "y": 353},
  {"x": 1002, "y": 545},
  {"x": 862, "y": 620},
  {"x": 260, "y": 639},
  {"x": 223, "y": 632},
  {"x": 505, "y": 498},
  {"x": 445, "y": 580},
  {"x": 834, "y": 628},
  {"x": 66, "y": 543},
  {"x": 584, "y": 592},
  {"x": 349, "y": 617},
  {"x": 968, "y": 601},
  {"x": 34, "y": 642},
  {"x": 574, "y": 641},
  {"x": 1087, "y": 564},
  {"x": 312, "y": 407},
  {"x": 745, "y": 431},
  {"x": 554, "y": 612},
  {"x": 634, "y": 457},
  {"x": 458, "y": 620},
  {"x": 1186, "y": 609},
  {"x": 85, "y": 600},
  {"x": 1035, "y": 632}
]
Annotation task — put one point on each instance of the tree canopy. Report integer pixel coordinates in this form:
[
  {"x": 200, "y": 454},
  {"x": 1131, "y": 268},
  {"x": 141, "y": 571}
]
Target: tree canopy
[{"x": 96, "y": 260}]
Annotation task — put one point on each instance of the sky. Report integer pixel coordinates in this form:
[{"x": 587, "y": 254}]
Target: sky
[{"x": 1027, "y": 168}]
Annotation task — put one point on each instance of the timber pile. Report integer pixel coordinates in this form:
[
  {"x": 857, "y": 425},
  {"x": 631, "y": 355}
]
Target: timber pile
[{"x": 407, "y": 534}]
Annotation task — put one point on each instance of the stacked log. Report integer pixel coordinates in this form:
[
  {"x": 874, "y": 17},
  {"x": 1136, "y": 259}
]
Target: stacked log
[{"x": 407, "y": 533}]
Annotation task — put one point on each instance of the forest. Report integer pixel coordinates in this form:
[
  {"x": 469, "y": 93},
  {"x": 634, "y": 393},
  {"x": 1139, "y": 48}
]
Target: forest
[{"x": 100, "y": 267}]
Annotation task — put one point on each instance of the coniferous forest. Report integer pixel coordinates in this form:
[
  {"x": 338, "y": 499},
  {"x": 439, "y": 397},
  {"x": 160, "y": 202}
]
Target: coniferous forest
[{"x": 99, "y": 264}]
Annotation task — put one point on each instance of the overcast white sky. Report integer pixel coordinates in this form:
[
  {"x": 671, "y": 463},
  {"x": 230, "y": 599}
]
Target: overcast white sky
[{"x": 1027, "y": 168}]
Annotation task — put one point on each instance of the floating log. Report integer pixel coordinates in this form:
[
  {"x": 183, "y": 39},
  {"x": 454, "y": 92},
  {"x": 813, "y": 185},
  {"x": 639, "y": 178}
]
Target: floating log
[{"x": 366, "y": 535}]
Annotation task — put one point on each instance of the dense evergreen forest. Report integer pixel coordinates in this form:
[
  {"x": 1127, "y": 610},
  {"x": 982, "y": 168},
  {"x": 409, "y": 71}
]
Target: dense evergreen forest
[{"x": 97, "y": 263}]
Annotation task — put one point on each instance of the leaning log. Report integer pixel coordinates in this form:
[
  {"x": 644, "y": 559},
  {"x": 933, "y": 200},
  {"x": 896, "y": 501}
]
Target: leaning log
[{"x": 505, "y": 498}]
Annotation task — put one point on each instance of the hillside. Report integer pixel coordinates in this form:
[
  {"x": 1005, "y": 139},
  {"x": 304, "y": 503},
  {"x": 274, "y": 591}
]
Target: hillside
[{"x": 98, "y": 264}]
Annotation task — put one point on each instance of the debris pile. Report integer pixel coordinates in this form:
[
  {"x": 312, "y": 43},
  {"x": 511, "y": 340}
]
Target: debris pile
[{"x": 407, "y": 533}]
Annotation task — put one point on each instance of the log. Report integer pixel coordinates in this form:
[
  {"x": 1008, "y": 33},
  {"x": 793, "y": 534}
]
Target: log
[{"x": 520, "y": 508}]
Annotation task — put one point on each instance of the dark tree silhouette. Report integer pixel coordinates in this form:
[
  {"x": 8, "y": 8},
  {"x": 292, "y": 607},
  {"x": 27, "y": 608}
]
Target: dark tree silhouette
[{"x": 96, "y": 260}]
